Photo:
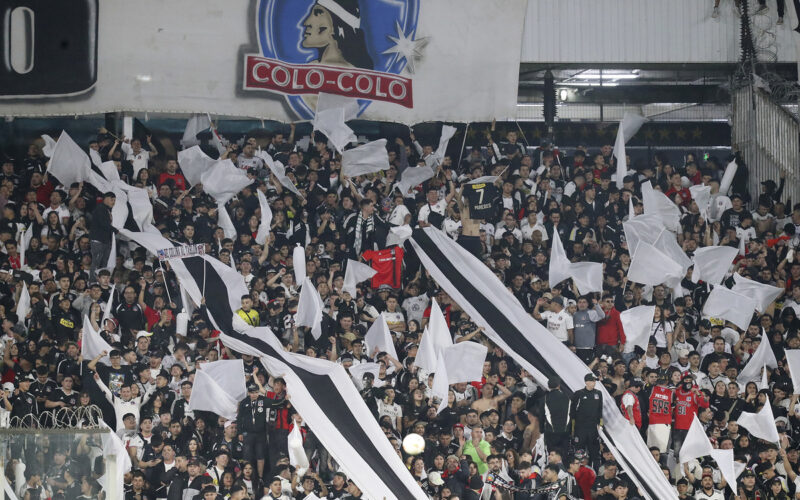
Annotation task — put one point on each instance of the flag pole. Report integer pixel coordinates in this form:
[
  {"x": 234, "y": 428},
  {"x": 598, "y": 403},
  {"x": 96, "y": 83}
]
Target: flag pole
[
  {"x": 164, "y": 277},
  {"x": 203, "y": 295},
  {"x": 463, "y": 143}
]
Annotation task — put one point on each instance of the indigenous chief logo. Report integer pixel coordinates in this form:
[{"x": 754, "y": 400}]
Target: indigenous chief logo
[{"x": 352, "y": 48}]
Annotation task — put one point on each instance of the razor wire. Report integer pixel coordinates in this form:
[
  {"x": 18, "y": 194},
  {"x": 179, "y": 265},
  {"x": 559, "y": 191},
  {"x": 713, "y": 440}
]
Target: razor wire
[{"x": 80, "y": 417}]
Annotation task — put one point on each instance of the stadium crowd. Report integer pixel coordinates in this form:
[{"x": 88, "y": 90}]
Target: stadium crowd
[{"x": 503, "y": 426}]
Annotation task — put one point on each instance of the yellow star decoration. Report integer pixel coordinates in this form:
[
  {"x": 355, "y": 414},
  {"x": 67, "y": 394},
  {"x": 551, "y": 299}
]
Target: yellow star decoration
[
  {"x": 537, "y": 132},
  {"x": 649, "y": 133},
  {"x": 585, "y": 131},
  {"x": 697, "y": 133},
  {"x": 664, "y": 134},
  {"x": 680, "y": 133}
]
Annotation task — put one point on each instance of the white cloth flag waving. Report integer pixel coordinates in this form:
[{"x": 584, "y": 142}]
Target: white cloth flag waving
[
  {"x": 464, "y": 362},
  {"x": 724, "y": 459},
  {"x": 297, "y": 455},
  {"x": 636, "y": 323},
  {"x": 69, "y": 162},
  {"x": 92, "y": 344},
  {"x": 194, "y": 162},
  {"x": 645, "y": 227},
  {"x": 764, "y": 295},
  {"x": 437, "y": 156},
  {"x": 299, "y": 263},
  {"x": 630, "y": 124},
  {"x": 309, "y": 309},
  {"x": 355, "y": 273},
  {"x": 764, "y": 356},
  {"x": 731, "y": 306},
  {"x": 194, "y": 126},
  {"x": 650, "y": 266},
  {"x": 358, "y": 371},
  {"x": 109, "y": 306},
  {"x": 657, "y": 203},
  {"x": 279, "y": 171},
  {"x": 223, "y": 181},
  {"x": 727, "y": 177},
  {"x": 696, "y": 443},
  {"x": 761, "y": 424},
  {"x": 435, "y": 338},
  {"x": 441, "y": 385},
  {"x": 331, "y": 122},
  {"x": 49, "y": 145},
  {"x": 366, "y": 159},
  {"x": 588, "y": 276},
  {"x": 379, "y": 339},
  {"x": 412, "y": 176},
  {"x": 711, "y": 263},
  {"x": 702, "y": 196},
  {"x": 218, "y": 387},
  {"x": 793, "y": 360},
  {"x": 266, "y": 219},
  {"x": 224, "y": 221},
  {"x": 24, "y": 303}
]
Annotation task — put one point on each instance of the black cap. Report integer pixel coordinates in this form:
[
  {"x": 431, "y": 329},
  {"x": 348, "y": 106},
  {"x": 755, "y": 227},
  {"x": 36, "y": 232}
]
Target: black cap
[
  {"x": 252, "y": 388},
  {"x": 589, "y": 377}
]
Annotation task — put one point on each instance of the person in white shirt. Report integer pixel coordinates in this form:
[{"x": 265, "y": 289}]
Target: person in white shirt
[
  {"x": 387, "y": 406},
  {"x": 5, "y": 405},
  {"x": 435, "y": 205},
  {"x": 559, "y": 321},
  {"x": 415, "y": 304},
  {"x": 531, "y": 224},
  {"x": 125, "y": 403},
  {"x": 136, "y": 155}
]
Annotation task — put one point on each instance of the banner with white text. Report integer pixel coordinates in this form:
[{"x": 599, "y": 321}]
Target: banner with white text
[{"x": 405, "y": 61}]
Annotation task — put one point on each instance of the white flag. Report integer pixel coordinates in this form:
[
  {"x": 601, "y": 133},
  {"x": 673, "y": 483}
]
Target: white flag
[
  {"x": 426, "y": 353},
  {"x": 413, "y": 176},
  {"x": 331, "y": 122},
  {"x": 209, "y": 394},
  {"x": 793, "y": 360},
  {"x": 355, "y": 273},
  {"x": 437, "y": 326},
  {"x": 194, "y": 162},
  {"x": 711, "y": 263},
  {"x": 441, "y": 385},
  {"x": 724, "y": 459},
  {"x": 94, "y": 156},
  {"x": 588, "y": 276},
  {"x": 650, "y": 266},
  {"x": 702, "y": 196},
  {"x": 195, "y": 125},
  {"x": 349, "y": 105},
  {"x": 668, "y": 243},
  {"x": 309, "y": 309},
  {"x": 224, "y": 221},
  {"x": 113, "y": 447},
  {"x": 435, "y": 158},
  {"x": 379, "y": 339},
  {"x": 696, "y": 443},
  {"x": 764, "y": 356},
  {"x": 398, "y": 235},
  {"x": 266, "y": 219},
  {"x": 69, "y": 162},
  {"x": 365, "y": 159},
  {"x": 357, "y": 374},
  {"x": 109, "y": 306},
  {"x": 464, "y": 362},
  {"x": 24, "y": 240},
  {"x": 49, "y": 145},
  {"x": 761, "y": 424},
  {"x": 764, "y": 295},
  {"x": 657, "y": 203},
  {"x": 223, "y": 181},
  {"x": 645, "y": 227},
  {"x": 279, "y": 171},
  {"x": 636, "y": 323},
  {"x": 630, "y": 124},
  {"x": 731, "y": 306},
  {"x": 297, "y": 454},
  {"x": 559, "y": 269},
  {"x": 92, "y": 344},
  {"x": 727, "y": 177},
  {"x": 24, "y": 303},
  {"x": 299, "y": 263}
]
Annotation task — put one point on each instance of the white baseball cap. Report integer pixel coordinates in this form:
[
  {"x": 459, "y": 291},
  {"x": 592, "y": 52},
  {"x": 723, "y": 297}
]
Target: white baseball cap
[{"x": 8, "y": 386}]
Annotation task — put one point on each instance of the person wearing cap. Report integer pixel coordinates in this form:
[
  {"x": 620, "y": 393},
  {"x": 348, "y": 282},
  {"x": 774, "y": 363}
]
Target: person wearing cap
[
  {"x": 557, "y": 319},
  {"x": 587, "y": 414},
  {"x": 688, "y": 400},
  {"x": 609, "y": 330},
  {"x": 251, "y": 422},
  {"x": 706, "y": 491},
  {"x": 23, "y": 402}
]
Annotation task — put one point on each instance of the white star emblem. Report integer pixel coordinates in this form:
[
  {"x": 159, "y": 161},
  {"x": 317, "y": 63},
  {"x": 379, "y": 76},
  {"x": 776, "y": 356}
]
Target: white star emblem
[{"x": 407, "y": 48}]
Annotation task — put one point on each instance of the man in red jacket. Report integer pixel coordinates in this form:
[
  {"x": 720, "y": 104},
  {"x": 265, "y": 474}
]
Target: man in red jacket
[
  {"x": 609, "y": 330},
  {"x": 688, "y": 399}
]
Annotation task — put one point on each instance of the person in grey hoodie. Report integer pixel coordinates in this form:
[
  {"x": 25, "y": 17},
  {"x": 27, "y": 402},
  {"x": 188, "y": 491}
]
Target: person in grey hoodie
[{"x": 585, "y": 327}]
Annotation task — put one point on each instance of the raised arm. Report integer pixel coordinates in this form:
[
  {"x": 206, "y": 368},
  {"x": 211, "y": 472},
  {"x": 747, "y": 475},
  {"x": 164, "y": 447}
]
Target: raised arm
[{"x": 103, "y": 387}]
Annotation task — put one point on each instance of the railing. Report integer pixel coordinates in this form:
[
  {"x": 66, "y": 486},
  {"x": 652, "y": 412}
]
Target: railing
[{"x": 768, "y": 137}]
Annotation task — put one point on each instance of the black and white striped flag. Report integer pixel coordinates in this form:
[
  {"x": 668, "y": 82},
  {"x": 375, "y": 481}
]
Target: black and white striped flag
[
  {"x": 490, "y": 305},
  {"x": 322, "y": 391}
]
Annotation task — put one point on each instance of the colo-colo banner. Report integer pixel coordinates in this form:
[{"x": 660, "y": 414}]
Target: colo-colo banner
[{"x": 404, "y": 60}]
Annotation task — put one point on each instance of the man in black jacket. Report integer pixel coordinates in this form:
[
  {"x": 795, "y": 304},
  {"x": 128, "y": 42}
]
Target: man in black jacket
[
  {"x": 101, "y": 233},
  {"x": 587, "y": 413},
  {"x": 555, "y": 416},
  {"x": 251, "y": 421}
]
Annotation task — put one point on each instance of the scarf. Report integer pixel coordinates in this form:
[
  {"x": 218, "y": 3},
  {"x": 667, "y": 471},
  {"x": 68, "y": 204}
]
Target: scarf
[{"x": 360, "y": 222}]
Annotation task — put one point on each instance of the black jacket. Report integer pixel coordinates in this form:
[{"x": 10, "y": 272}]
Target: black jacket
[{"x": 101, "y": 229}]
